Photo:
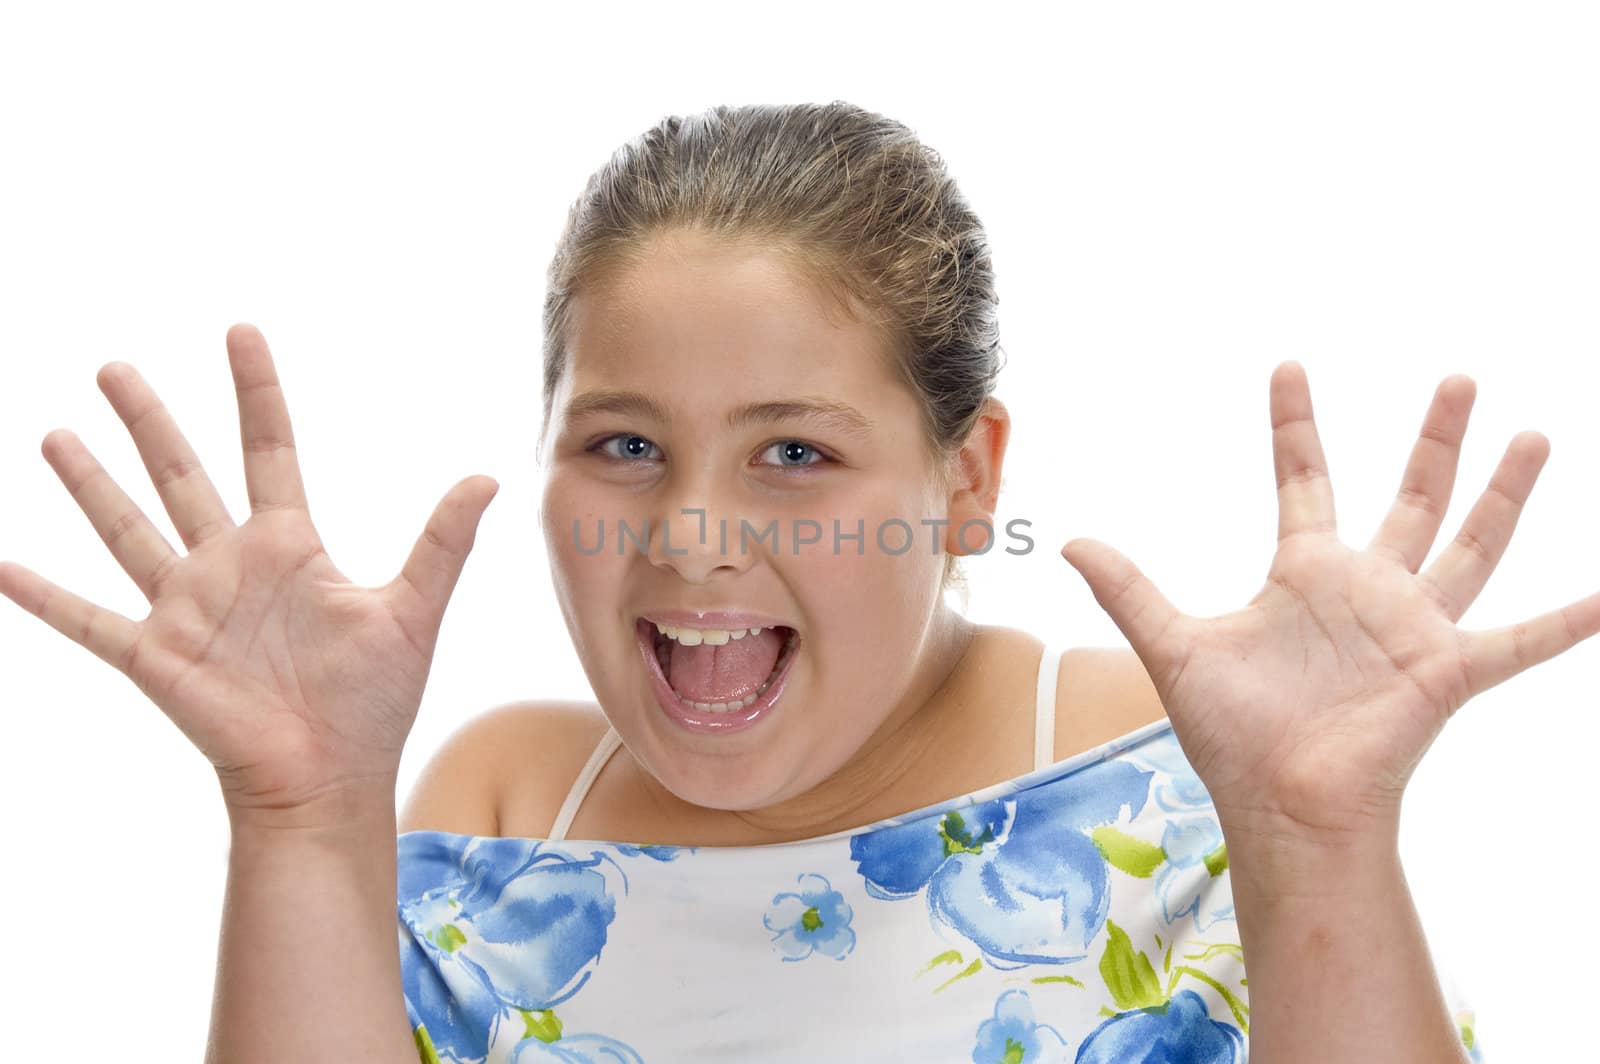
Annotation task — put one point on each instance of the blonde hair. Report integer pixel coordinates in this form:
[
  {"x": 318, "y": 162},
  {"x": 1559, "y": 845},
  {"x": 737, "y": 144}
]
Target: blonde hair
[{"x": 853, "y": 199}]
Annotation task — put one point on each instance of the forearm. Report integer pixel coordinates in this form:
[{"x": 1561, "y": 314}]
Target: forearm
[
  {"x": 1338, "y": 964},
  {"x": 308, "y": 965}
]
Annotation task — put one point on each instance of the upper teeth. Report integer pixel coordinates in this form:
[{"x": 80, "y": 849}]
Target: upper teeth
[{"x": 693, "y": 637}]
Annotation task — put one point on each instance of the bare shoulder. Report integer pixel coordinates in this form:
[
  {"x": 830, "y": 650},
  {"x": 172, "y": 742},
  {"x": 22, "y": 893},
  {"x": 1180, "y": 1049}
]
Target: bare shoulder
[
  {"x": 1102, "y": 693},
  {"x": 504, "y": 769}
]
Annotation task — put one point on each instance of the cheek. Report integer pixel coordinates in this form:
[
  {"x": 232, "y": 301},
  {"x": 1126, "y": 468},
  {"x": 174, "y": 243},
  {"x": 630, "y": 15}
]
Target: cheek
[
  {"x": 881, "y": 537},
  {"x": 571, "y": 511},
  {"x": 570, "y": 514},
  {"x": 861, "y": 590}
]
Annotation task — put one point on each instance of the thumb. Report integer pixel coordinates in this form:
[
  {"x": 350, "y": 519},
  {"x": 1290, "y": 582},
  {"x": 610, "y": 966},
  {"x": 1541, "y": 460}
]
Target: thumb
[
  {"x": 435, "y": 564},
  {"x": 1143, "y": 614}
]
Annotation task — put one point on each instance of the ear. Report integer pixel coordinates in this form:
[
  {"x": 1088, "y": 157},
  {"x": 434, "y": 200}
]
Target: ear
[{"x": 975, "y": 481}]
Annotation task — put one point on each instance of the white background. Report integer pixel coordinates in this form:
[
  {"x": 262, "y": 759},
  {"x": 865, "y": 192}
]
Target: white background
[{"x": 1179, "y": 197}]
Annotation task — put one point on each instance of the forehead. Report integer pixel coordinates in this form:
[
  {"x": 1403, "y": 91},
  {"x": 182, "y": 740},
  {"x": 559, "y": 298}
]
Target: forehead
[{"x": 695, "y": 309}]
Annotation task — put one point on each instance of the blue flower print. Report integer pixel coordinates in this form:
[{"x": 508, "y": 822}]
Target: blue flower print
[
  {"x": 1192, "y": 839},
  {"x": 1018, "y": 876},
  {"x": 1179, "y": 1032},
  {"x": 1176, "y": 787},
  {"x": 817, "y": 919},
  {"x": 494, "y": 924},
  {"x": 1184, "y": 884},
  {"x": 1012, "y": 1036},
  {"x": 659, "y": 853}
]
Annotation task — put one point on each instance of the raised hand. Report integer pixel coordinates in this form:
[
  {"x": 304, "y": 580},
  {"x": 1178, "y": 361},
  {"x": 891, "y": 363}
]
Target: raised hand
[
  {"x": 297, "y": 685},
  {"x": 1306, "y": 712}
]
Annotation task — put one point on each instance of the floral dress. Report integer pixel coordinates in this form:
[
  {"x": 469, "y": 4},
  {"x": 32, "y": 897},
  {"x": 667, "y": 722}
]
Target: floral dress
[{"x": 1079, "y": 913}]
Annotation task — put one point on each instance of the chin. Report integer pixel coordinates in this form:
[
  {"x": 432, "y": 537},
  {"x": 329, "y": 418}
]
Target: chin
[{"x": 728, "y": 784}]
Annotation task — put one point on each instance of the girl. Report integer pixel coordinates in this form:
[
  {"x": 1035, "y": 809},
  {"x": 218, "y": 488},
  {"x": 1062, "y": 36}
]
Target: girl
[{"x": 815, "y": 813}]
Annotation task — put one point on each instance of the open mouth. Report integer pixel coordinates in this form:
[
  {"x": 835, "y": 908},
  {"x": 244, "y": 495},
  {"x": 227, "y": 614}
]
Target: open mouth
[{"x": 714, "y": 679}]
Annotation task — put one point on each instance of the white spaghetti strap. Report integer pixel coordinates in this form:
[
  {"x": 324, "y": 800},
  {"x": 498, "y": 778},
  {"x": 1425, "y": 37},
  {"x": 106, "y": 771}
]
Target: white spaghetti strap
[
  {"x": 580, "y": 787},
  {"x": 1044, "y": 715}
]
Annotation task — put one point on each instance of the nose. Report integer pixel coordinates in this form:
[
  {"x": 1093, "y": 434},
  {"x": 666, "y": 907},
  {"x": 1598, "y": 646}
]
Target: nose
[{"x": 697, "y": 542}]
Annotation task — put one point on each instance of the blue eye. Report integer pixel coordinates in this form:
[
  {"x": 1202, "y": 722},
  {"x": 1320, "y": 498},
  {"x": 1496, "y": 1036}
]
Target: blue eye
[
  {"x": 794, "y": 454},
  {"x": 633, "y": 447}
]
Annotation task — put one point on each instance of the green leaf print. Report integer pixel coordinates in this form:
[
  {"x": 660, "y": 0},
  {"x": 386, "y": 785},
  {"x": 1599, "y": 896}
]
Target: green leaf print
[
  {"x": 1217, "y": 861},
  {"x": 958, "y": 839},
  {"x": 1128, "y": 974},
  {"x": 449, "y": 938},
  {"x": 542, "y": 1024},
  {"x": 425, "y": 1049},
  {"x": 1134, "y": 856}
]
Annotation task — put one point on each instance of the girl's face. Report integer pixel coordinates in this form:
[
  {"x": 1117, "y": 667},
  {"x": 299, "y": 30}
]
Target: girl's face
[{"x": 712, "y": 378}]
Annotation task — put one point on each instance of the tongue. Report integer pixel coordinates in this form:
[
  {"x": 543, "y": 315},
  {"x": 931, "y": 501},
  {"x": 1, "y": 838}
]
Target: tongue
[{"x": 727, "y": 673}]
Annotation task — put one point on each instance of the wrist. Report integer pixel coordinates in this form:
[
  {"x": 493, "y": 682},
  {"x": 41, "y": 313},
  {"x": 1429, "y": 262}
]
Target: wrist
[
  {"x": 1275, "y": 861},
  {"x": 337, "y": 813}
]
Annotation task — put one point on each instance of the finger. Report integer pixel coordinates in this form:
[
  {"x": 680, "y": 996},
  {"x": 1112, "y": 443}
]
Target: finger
[
  {"x": 1409, "y": 529},
  {"x": 109, "y": 636},
  {"x": 430, "y": 573},
  {"x": 271, "y": 466},
  {"x": 197, "y": 511},
  {"x": 1142, "y": 613},
  {"x": 1459, "y": 573},
  {"x": 1496, "y": 655},
  {"x": 139, "y": 547},
  {"x": 1305, "y": 495}
]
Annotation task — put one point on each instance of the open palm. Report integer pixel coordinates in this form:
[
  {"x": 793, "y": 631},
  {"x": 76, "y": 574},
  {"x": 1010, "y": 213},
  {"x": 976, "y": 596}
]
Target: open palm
[
  {"x": 291, "y": 680},
  {"x": 1312, "y": 705}
]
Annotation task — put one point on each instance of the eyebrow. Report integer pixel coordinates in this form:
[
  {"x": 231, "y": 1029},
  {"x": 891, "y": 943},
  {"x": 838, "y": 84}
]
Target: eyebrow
[{"x": 830, "y": 413}]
